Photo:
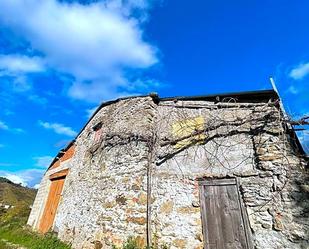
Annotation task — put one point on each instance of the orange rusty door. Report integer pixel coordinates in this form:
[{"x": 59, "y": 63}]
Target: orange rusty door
[{"x": 52, "y": 203}]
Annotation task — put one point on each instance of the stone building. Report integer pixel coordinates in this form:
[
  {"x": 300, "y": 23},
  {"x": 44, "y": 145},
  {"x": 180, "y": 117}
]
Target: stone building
[{"x": 218, "y": 171}]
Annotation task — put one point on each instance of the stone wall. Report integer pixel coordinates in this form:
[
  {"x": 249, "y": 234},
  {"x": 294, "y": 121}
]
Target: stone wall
[
  {"x": 272, "y": 178},
  {"x": 107, "y": 194},
  {"x": 39, "y": 202},
  {"x": 171, "y": 145}
]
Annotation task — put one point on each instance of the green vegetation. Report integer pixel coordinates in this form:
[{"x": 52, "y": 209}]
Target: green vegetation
[
  {"x": 133, "y": 243},
  {"x": 13, "y": 194},
  {"x": 13, "y": 230},
  {"x": 4, "y": 245},
  {"x": 19, "y": 199},
  {"x": 16, "y": 234}
]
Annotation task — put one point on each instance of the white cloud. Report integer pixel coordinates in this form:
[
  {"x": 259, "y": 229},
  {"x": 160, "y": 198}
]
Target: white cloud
[
  {"x": 293, "y": 90},
  {"x": 43, "y": 161},
  {"x": 16, "y": 82},
  {"x": 62, "y": 143},
  {"x": 91, "y": 111},
  {"x": 29, "y": 177},
  {"x": 15, "y": 63},
  {"x": 96, "y": 91},
  {"x": 299, "y": 72},
  {"x": 18, "y": 130},
  {"x": 3, "y": 126},
  {"x": 8, "y": 112},
  {"x": 21, "y": 83},
  {"x": 58, "y": 128},
  {"x": 36, "y": 186},
  {"x": 37, "y": 99},
  {"x": 17, "y": 67},
  {"x": 14, "y": 178},
  {"x": 96, "y": 43}
]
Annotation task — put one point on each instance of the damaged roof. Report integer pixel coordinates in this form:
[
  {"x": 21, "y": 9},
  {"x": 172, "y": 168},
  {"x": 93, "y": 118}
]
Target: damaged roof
[{"x": 241, "y": 97}]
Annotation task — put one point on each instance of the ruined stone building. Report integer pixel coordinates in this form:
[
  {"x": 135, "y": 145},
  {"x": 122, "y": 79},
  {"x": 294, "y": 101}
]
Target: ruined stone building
[{"x": 215, "y": 172}]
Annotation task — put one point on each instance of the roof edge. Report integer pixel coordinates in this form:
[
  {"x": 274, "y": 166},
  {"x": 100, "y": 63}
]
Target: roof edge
[{"x": 254, "y": 95}]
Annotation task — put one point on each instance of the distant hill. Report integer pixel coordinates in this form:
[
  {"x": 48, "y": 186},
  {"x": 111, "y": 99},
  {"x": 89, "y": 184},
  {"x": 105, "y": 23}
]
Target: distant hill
[
  {"x": 15, "y": 200},
  {"x": 13, "y": 230}
]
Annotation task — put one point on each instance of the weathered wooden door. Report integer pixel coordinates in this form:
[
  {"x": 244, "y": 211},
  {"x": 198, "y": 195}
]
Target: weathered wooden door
[
  {"x": 224, "y": 220},
  {"x": 52, "y": 203}
]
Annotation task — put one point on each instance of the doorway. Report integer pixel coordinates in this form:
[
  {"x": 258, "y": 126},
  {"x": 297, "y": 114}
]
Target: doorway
[
  {"x": 53, "y": 199},
  {"x": 224, "y": 220}
]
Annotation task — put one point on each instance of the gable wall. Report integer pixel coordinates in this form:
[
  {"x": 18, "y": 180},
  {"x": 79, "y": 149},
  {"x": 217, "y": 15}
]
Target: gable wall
[
  {"x": 106, "y": 198},
  {"x": 105, "y": 195},
  {"x": 248, "y": 143}
]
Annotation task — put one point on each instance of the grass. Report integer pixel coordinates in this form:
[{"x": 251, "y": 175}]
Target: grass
[
  {"x": 15, "y": 233},
  {"x": 13, "y": 230},
  {"x": 4, "y": 245},
  {"x": 13, "y": 194}
]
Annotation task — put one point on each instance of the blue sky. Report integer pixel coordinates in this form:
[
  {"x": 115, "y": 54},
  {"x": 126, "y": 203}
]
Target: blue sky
[{"x": 60, "y": 59}]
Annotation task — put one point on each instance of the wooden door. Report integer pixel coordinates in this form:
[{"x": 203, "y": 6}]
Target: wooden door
[
  {"x": 52, "y": 203},
  {"x": 225, "y": 224}
]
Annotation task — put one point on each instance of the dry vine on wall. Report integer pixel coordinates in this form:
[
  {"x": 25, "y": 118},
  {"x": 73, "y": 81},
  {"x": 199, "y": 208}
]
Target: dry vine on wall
[{"x": 207, "y": 133}]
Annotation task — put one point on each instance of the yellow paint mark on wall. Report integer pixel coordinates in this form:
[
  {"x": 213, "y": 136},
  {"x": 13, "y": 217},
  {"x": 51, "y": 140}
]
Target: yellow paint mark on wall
[{"x": 187, "y": 127}]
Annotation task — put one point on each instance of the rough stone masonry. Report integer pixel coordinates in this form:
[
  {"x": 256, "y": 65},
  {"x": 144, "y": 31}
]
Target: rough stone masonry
[{"x": 135, "y": 168}]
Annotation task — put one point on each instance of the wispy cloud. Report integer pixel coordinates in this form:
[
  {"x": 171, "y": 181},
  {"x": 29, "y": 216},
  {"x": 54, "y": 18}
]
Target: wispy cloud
[
  {"x": 18, "y": 130},
  {"x": 90, "y": 111},
  {"x": 58, "y": 128},
  {"x": 99, "y": 61},
  {"x": 292, "y": 90},
  {"x": 62, "y": 143},
  {"x": 8, "y": 112},
  {"x": 29, "y": 177},
  {"x": 14, "y": 178},
  {"x": 300, "y": 71},
  {"x": 37, "y": 99},
  {"x": 36, "y": 186},
  {"x": 17, "y": 67},
  {"x": 43, "y": 161},
  {"x": 20, "y": 83},
  {"x": 15, "y": 63},
  {"x": 3, "y": 126}
]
